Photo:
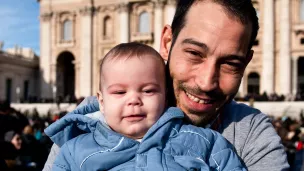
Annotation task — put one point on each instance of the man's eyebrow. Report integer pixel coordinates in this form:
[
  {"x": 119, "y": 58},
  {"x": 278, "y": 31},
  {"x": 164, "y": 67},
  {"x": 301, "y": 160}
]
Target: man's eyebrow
[
  {"x": 235, "y": 57},
  {"x": 196, "y": 43}
]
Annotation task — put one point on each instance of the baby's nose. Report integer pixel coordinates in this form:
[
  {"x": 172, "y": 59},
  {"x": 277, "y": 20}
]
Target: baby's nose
[{"x": 135, "y": 100}]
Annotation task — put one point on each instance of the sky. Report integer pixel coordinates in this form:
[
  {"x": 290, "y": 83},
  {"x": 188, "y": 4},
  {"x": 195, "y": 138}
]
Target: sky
[{"x": 19, "y": 24}]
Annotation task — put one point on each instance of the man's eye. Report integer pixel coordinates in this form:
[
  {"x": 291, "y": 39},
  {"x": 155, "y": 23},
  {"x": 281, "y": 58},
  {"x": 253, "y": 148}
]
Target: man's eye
[
  {"x": 233, "y": 64},
  {"x": 194, "y": 53},
  {"x": 238, "y": 65}
]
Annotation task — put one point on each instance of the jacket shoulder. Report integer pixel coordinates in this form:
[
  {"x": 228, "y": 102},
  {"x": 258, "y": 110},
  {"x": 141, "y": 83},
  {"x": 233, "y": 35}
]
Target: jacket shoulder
[
  {"x": 198, "y": 140},
  {"x": 80, "y": 147}
]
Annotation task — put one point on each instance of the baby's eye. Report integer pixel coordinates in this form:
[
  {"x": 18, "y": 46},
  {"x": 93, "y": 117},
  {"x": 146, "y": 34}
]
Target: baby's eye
[
  {"x": 149, "y": 91},
  {"x": 119, "y": 92}
]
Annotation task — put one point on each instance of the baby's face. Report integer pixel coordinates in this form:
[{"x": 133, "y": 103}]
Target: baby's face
[{"x": 132, "y": 94}]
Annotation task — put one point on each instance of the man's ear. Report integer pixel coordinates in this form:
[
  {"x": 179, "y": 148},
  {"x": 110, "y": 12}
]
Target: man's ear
[
  {"x": 100, "y": 101},
  {"x": 166, "y": 41}
]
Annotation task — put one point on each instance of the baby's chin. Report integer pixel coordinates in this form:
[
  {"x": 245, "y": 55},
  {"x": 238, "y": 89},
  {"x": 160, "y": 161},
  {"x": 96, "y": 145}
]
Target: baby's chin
[{"x": 135, "y": 132}]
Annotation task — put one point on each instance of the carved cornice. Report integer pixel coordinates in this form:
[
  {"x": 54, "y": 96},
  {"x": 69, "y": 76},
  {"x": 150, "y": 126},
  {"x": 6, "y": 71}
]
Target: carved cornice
[
  {"x": 159, "y": 3},
  {"x": 46, "y": 16},
  {"x": 171, "y": 2},
  {"x": 87, "y": 10},
  {"x": 60, "y": 16},
  {"x": 123, "y": 7},
  {"x": 110, "y": 8}
]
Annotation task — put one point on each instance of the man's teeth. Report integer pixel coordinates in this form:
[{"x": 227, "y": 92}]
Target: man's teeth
[{"x": 197, "y": 100}]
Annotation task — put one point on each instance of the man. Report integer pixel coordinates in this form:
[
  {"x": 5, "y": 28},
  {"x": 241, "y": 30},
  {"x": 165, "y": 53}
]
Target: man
[{"x": 208, "y": 48}]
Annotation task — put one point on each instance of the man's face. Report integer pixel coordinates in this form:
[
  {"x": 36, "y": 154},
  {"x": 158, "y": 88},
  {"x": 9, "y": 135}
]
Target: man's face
[
  {"x": 207, "y": 61},
  {"x": 133, "y": 94}
]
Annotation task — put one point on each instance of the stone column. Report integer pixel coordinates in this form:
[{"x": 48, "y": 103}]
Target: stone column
[
  {"x": 285, "y": 59},
  {"x": 45, "y": 55},
  {"x": 54, "y": 80},
  {"x": 124, "y": 22},
  {"x": 268, "y": 48},
  {"x": 241, "y": 88},
  {"x": 294, "y": 76},
  {"x": 77, "y": 78},
  {"x": 18, "y": 88},
  {"x": 170, "y": 11},
  {"x": 158, "y": 22},
  {"x": 86, "y": 51}
]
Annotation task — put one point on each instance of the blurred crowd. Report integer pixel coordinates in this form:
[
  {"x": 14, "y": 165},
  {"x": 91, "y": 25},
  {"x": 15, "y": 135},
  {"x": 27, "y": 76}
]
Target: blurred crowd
[
  {"x": 271, "y": 97},
  {"x": 58, "y": 99},
  {"x": 23, "y": 144},
  {"x": 250, "y": 96},
  {"x": 25, "y": 147},
  {"x": 291, "y": 132}
]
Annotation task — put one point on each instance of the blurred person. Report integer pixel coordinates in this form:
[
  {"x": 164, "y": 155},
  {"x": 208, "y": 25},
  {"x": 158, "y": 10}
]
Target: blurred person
[
  {"x": 10, "y": 119},
  {"x": 14, "y": 138},
  {"x": 14, "y": 163},
  {"x": 33, "y": 152},
  {"x": 8, "y": 154},
  {"x": 298, "y": 163}
]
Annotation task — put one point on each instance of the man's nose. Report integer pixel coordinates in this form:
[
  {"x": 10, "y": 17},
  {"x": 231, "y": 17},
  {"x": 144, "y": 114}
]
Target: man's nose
[
  {"x": 207, "y": 77},
  {"x": 134, "y": 100}
]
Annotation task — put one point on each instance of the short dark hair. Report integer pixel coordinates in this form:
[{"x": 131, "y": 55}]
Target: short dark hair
[
  {"x": 130, "y": 50},
  {"x": 243, "y": 10}
]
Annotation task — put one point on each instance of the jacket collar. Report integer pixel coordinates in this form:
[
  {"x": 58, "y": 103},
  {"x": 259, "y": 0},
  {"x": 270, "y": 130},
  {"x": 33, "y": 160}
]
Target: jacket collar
[{"x": 107, "y": 137}]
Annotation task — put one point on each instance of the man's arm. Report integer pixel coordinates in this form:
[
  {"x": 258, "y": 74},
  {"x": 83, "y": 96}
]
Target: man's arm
[
  {"x": 64, "y": 161},
  {"x": 51, "y": 158},
  {"x": 254, "y": 138},
  {"x": 263, "y": 149},
  {"x": 55, "y": 149}
]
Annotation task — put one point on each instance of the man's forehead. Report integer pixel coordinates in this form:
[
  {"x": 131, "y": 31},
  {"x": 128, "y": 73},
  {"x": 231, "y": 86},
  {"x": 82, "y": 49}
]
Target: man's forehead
[
  {"x": 204, "y": 9},
  {"x": 208, "y": 21}
]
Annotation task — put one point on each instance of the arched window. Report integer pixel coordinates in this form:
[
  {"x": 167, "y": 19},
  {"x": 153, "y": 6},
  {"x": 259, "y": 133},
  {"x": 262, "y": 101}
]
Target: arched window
[
  {"x": 67, "y": 30},
  {"x": 144, "y": 23},
  {"x": 254, "y": 83},
  {"x": 302, "y": 10},
  {"x": 107, "y": 27}
]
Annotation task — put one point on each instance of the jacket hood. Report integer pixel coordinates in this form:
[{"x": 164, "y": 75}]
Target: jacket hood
[{"x": 70, "y": 126}]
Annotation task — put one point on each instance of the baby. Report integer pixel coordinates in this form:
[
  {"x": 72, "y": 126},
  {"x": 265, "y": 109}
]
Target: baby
[{"x": 137, "y": 131}]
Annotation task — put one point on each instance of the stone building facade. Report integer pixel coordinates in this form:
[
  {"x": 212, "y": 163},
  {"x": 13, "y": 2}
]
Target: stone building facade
[
  {"x": 278, "y": 62},
  {"x": 76, "y": 34},
  {"x": 19, "y": 74}
]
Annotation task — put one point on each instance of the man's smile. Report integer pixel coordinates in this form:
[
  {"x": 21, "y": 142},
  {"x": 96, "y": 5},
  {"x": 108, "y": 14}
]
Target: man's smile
[
  {"x": 199, "y": 100},
  {"x": 197, "y": 104}
]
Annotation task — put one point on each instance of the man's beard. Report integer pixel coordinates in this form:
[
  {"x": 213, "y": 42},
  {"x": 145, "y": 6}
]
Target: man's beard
[{"x": 204, "y": 118}]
